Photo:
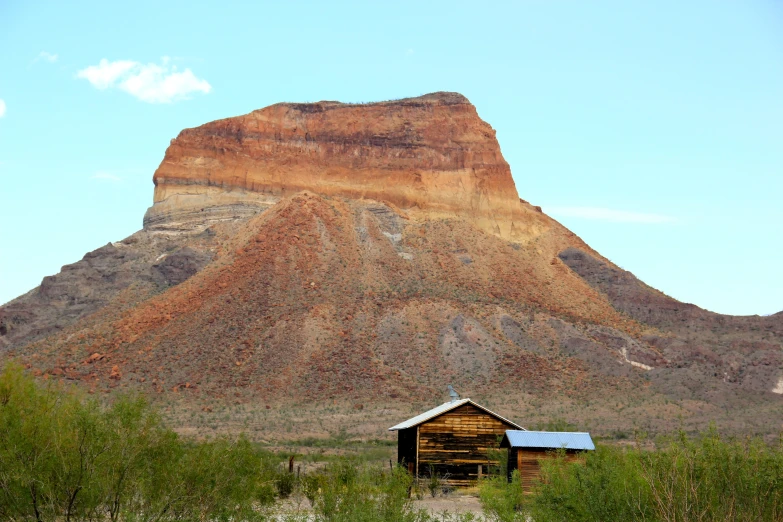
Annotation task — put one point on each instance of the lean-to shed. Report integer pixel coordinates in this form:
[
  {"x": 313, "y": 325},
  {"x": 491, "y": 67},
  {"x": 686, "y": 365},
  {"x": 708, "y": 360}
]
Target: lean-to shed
[
  {"x": 526, "y": 449},
  {"x": 451, "y": 440}
]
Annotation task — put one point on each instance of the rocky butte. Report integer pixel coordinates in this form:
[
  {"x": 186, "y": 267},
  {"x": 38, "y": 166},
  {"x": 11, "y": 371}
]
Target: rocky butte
[
  {"x": 430, "y": 155},
  {"x": 332, "y": 266}
]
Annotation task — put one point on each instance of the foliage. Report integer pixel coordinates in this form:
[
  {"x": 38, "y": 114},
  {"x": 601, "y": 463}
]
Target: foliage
[
  {"x": 606, "y": 486},
  {"x": 63, "y": 457},
  {"x": 498, "y": 457},
  {"x": 351, "y": 492},
  {"x": 712, "y": 478},
  {"x": 311, "y": 486},
  {"x": 502, "y": 501},
  {"x": 434, "y": 482},
  {"x": 708, "y": 478},
  {"x": 285, "y": 483}
]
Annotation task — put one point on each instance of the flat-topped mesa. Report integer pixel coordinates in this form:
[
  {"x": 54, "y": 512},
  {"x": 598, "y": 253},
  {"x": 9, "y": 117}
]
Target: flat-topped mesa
[{"x": 430, "y": 155}]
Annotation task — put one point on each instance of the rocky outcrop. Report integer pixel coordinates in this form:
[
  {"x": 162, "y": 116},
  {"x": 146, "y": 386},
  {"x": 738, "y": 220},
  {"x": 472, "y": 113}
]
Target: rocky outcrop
[
  {"x": 430, "y": 155},
  {"x": 744, "y": 350},
  {"x": 150, "y": 263}
]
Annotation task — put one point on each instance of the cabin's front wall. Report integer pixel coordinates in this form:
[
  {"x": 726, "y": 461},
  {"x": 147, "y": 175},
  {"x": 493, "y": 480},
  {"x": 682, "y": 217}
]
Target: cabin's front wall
[{"x": 454, "y": 444}]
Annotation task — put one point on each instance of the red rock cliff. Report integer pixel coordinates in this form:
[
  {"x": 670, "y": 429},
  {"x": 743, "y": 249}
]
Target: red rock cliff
[{"x": 431, "y": 155}]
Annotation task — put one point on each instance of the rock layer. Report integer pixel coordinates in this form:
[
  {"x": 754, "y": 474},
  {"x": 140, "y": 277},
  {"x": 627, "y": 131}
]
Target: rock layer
[
  {"x": 355, "y": 291},
  {"x": 431, "y": 154}
]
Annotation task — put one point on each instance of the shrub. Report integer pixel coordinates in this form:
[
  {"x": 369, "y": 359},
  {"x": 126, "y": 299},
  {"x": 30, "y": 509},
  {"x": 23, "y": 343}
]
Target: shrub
[
  {"x": 708, "y": 478},
  {"x": 285, "y": 483},
  {"x": 434, "y": 482},
  {"x": 63, "y": 457},
  {"x": 712, "y": 478},
  {"x": 502, "y": 501},
  {"x": 606, "y": 486},
  {"x": 310, "y": 485},
  {"x": 365, "y": 494}
]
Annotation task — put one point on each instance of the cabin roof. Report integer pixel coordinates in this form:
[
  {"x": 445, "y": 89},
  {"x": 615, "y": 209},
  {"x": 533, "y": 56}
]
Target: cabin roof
[
  {"x": 547, "y": 440},
  {"x": 446, "y": 407}
]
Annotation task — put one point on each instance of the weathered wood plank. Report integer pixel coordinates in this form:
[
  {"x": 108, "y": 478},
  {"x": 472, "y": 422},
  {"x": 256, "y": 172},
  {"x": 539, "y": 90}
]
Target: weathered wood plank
[
  {"x": 528, "y": 463},
  {"x": 454, "y": 444}
]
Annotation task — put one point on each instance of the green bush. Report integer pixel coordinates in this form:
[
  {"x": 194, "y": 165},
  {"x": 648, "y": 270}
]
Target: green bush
[
  {"x": 498, "y": 457},
  {"x": 712, "y": 478},
  {"x": 607, "y": 486},
  {"x": 63, "y": 457},
  {"x": 708, "y": 478},
  {"x": 354, "y": 492},
  {"x": 285, "y": 483},
  {"x": 310, "y": 486},
  {"x": 502, "y": 501}
]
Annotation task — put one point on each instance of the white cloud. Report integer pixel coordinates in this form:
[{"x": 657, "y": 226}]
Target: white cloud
[
  {"x": 2, "y": 107},
  {"x": 608, "y": 214},
  {"x": 108, "y": 176},
  {"x": 47, "y": 57},
  {"x": 151, "y": 83},
  {"x": 106, "y": 74},
  {"x": 409, "y": 52}
]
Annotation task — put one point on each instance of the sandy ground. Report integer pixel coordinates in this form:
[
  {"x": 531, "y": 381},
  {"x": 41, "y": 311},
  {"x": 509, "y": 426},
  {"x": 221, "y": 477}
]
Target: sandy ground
[{"x": 454, "y": 503}]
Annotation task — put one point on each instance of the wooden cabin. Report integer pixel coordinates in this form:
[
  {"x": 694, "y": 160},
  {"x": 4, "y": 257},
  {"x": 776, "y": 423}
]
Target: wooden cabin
[
  {"x": 451, "y": 441},
  {"x": 526, "y": 450}
]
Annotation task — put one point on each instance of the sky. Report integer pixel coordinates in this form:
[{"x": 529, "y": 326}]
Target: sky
[{"x": 654, "y": 130}]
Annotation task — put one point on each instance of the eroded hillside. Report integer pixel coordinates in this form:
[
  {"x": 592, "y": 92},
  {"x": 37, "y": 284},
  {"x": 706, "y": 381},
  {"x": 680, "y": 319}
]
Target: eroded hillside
[{"x": 346, "y": 260}]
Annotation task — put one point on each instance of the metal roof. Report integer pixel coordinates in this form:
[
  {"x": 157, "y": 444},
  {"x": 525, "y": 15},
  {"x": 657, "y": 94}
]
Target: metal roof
[
  {"x": 443, "y": 408},
  {"x": 547, "y": 440}
]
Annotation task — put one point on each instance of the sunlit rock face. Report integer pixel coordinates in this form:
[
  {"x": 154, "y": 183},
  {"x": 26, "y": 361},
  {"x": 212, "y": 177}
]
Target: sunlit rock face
[{"x": 431, "y": 155}]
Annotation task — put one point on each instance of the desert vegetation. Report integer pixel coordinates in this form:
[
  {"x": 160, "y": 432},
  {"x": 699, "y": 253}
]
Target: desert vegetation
[
  {"x": 684, "y": 478},
  {"x": 67, "y": 456},
  {"x": 64, "y": 456}
]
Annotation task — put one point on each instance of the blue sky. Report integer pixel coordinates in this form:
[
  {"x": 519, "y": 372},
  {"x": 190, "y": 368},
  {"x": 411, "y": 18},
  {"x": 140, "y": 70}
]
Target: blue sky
[{"x": 654, "y": 130}]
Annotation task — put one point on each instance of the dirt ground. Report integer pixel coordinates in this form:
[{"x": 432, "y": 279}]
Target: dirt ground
[
  {"x": 455, "y": 502},
  {"x": 452, "y": 503}
]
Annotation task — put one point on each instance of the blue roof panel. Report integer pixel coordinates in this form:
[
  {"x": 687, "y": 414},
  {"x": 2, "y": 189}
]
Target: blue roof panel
[{"x": 550, "y": 440}]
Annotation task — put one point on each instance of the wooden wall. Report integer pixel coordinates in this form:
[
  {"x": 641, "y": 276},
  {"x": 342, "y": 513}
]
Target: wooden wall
[
  {"x": 527, "y": 461},
  {"x": 453, "y": 445}
]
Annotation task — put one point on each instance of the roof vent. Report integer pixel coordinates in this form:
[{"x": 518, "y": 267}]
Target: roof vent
[{"x": 453, "y": 394}]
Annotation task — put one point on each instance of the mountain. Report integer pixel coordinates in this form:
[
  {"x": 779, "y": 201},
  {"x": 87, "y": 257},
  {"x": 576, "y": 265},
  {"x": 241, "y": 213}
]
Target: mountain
[
  {"x": 346, "y": 262},
  {"x": 432, "y": 154}
]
